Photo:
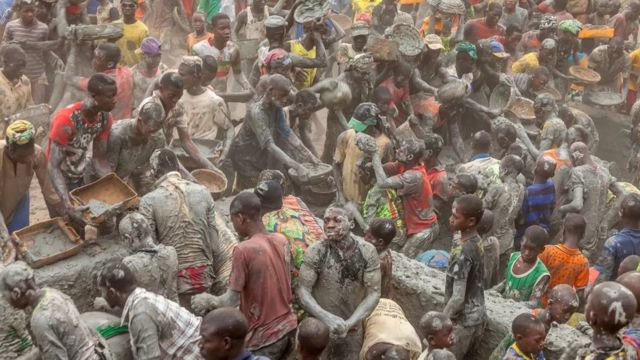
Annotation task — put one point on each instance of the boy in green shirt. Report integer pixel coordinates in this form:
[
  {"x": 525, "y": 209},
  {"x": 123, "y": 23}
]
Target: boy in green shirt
[{"x": 526, "y": 276}]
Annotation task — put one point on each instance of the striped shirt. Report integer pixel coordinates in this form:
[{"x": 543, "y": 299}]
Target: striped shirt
[
  {"x": 537, "y": 207},
  {"x": 16, "y": 31},
  {"x": 176, "y": 330}
]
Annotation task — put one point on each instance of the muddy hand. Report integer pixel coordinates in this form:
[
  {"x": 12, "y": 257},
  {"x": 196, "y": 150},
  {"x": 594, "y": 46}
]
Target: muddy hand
[
  {"x": 101, "y": 304},
  {"x": 337, "y": 326},
  {"x": 303, "y": 173},
  {"x": 202, "y": 303},
  {"x": 75, "y": 213}
]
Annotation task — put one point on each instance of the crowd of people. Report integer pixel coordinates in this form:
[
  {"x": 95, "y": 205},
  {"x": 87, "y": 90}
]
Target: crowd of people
[{"x": 454, "y": 132}]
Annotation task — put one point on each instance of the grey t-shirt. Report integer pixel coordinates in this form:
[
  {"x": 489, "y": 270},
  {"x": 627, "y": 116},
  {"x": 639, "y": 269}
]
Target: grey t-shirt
[
  {"x": 467, "y": 264},
  {"x": 518, "y": 18}
]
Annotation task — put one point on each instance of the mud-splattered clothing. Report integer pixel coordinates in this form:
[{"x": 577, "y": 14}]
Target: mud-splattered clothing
[
  {"x": 594, "y": 181},
  {"x": 486, "y": 170},
  {"x": 617, "y": 248},
  {"x": 14, "y": 336},
  {"x": 520, "y": 287},
  {"x": 289, "y": 223},
  {"x": 478, "y": 30},
  {"x": 514, "y": 353},
  {"x": 15, "y": 180},
  {"x": 554, "y": 131},
  {"x": 173, "y": 119},
  {"x": 261, "y": 273},
  {"x": 130, "y": 42},
  {"x": 505, "y": 201},
  {"x": 128, "y": 158},
  {"x": 349, "y": 155},
  {"x": 467, "y": 264},
  {"x": 15, "y": 30},
  {"x": 340, "y": 287},
  {"x": 491, "y": 248},
  {"x": 71, "y": 130},
  {"x": 58, "y": 330},
  {"x": 537, "y": 206},
  {"x": 159, "y": 328},
  {"x": 223, "y": 58},
  {"x": 124, "y": 95},
  {"x": 566, "y": 266},
  {"x": 624, "y": 352},
  {"x": 156, "y": 270},
  {"x": 206, "y": 114},
  {"x": 296, "y": 204},
  {"x": 14, "y": 97},
  {"x": 385, "y": 203},
  {"x": 142, "y": 80},
  {"x": 181, "y": 214}
]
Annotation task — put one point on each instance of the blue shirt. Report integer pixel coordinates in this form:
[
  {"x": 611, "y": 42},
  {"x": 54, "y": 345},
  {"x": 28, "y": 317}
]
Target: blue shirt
[
  {"x": 537, "y": 207},
  {"x": 249, "y": 356},
  {"x": 616, "y": 248},
  {"x": 480, "y": 156}
]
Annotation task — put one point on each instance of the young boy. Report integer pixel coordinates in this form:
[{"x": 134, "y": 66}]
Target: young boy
[
  {"x": 313, "y": 338},
  {"x": 464, "y": 293},
  {"x": 630, "y": 263},
  {"x": 565, "y": 262},
  {"x": 631, "y": 280},
  {"x": 563, "y": 302},
  {"x": 530, "y": 333},
  {"x": 199, "y": 32},
  {"x": 610, "y": 307},
  {"x": 491, "y": 250},
  {"x": 379, "y": 234},
  {"x": 437, "y": 333},
  {"x": 539, "y": 199},
  {"x": 526, "y": 276}
]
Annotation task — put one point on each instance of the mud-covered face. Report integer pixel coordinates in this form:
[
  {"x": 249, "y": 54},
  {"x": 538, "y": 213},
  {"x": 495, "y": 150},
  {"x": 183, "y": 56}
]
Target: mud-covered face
[
  {"x": 560, "y": 311},
  {"x": 336, "y": 224},
  {"x": 577, "y": 158},
  {"x": 533, "y": 341}
]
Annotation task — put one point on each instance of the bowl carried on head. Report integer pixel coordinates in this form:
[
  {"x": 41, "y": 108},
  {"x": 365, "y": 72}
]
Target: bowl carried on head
[{"x": 584, "y": 75}]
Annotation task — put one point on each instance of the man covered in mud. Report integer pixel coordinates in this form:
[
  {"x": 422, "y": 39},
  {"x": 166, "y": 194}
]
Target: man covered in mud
[
  {"x": 339, "y": 283},
  {"x": 169, "y": 94},
  {"x": 588, "y": 185},
  {"x": 181, "y": 214},
  {"x": 55, "y": 322},
  {"x": 131, "y": 144},
  {"x": 259, "y": 144},
  {"x": 74, "y": 130},
  {"x": 14, "y": 84}
]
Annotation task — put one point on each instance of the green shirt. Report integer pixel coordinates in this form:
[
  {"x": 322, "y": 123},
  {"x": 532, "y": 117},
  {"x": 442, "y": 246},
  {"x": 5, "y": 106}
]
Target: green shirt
[
  {"x": 209, "y": 7},
  {"x": 520, "y": 287}
]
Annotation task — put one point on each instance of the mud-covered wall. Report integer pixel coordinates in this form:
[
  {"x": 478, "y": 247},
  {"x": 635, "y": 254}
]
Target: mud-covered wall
[{"x": 418, "y": 289}]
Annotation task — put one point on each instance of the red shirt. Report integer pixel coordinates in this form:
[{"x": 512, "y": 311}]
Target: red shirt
[
  {"x": 260, "y": 272},
  {"x": 70, "y": 128},
  {"x": 415, "y": 193},
  {"x": 479, "y": 30},
  {"x": 398, "y": 96},
  {"x": 124, "y": 97},
  {"x": 438, "y": 180}
]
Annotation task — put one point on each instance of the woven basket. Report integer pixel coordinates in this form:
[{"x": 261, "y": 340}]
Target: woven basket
[
  {"x": 384, "y": 49},
  {"x": 586, "y": 76},
  {"x": 408, "y": 38}
]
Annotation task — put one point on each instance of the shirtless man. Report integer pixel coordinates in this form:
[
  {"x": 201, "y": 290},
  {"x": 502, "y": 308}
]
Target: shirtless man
[
  {"x": 341, "y": 293},
  {"x": 224, "y": 51}
]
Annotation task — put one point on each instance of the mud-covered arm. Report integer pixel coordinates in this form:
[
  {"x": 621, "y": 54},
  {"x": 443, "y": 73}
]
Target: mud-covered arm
[
  {"x": 319, "y": 61},
  {"x": 382, "y": 181},
  {"x": 72, "y": 68},
  {"x": 56, "y": 157},
  {"x": 456, "y": 302},
  {"x": 577, "y": 201},
  {"x": 236, "y": 65},
  {"x": 145, "y": 339},
  {"x": 606, "y": 261},
  {"x": 420, "y": 85},
  {"x": 205, "y": 302},
  {"x": 49, "y": 344},
  {"x": 456, "y": 139},
  {"x": 538, "y": 290},
  {"x": 48, "y": 192},
  {"x": 241, "y": 21}
]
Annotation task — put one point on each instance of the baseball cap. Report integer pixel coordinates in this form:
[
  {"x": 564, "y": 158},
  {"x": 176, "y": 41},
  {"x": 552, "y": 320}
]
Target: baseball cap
[
  {"x": 360, "y": 28},
  {"x": 497, "y": 49},
  {"x": 433, "y": 42}
]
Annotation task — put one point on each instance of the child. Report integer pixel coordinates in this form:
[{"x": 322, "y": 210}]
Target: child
[
  {"x": 491, "y": 250},
  {"x": 539, "y": 199},
  {"x": 437, "y": 333},
  {"x": 199, "y": 32},
  {"x": 565, "y": 262},
  {"x": 631, "y": 280},
  {"x": 466, "y": 271},
  {"x": 526, "y": 276},
  {"x": 313, "y": 338},
  {"x": 379, "y": 234},
  {"x": 530, "y": 333},
  {"x": 563, "y": 302},
  {"x": 610, "y": 307},
  {"x": 630, "y": 263}
]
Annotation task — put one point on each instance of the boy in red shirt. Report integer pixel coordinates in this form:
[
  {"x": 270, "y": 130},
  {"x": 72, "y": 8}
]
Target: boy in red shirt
[
  {"x": 409, "y": 177},
  {"x": 73, "y": 130}
]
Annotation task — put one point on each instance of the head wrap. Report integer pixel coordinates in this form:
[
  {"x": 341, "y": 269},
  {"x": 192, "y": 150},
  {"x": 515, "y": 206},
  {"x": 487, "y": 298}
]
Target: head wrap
[
  {"x": 13, "y": 275},
  {"x": 549, "y": 44},
  {"x": 468, "y": 48},
  {"x": 548, "y": 22},
  {"x": 277, "y": 57},
  {"x": 571, "y": 26},
  {"x": 274, "y": 21},
  {"x": 20, "y": 132},
  {"x": 360, "y": 63},
  {"x": 150, "y": 46},
  {"x": 452, "y": 7}
]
